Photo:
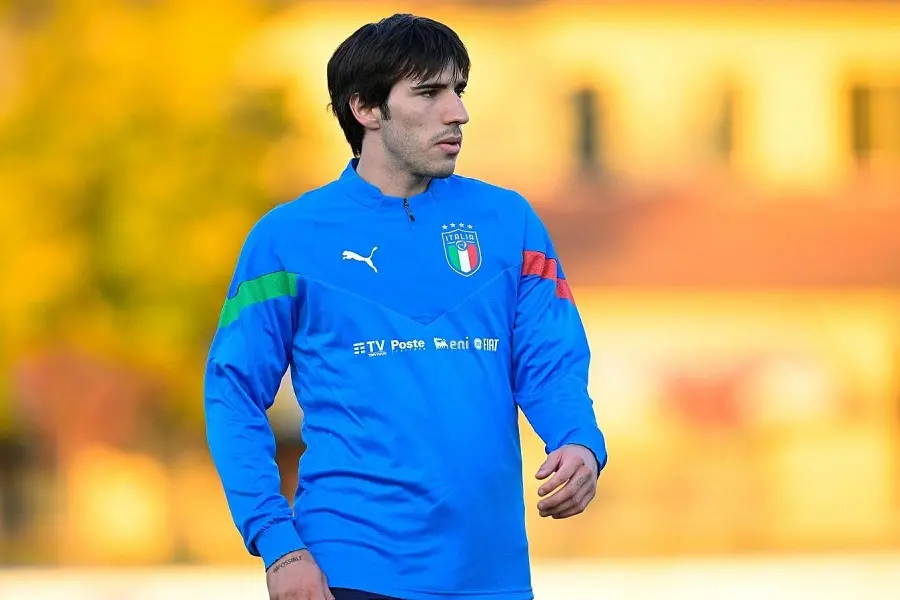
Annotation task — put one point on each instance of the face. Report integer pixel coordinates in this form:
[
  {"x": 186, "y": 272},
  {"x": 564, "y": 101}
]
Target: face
[{"x": 423, "y": 135}]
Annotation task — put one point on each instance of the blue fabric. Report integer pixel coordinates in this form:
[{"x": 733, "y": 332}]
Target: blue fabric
[{"x": 410, "y": 369}]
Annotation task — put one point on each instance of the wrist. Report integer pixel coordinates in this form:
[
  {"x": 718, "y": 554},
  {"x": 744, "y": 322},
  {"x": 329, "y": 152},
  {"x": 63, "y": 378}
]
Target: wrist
[
  {"x": 594, "y": 442},
  {"x": 277, "y": 541}
]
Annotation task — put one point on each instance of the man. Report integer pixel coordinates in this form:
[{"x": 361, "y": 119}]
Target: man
[{"x": 417, "y": 310}]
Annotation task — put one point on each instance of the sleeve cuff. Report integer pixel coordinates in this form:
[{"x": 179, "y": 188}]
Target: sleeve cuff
[
  {"x": 278, "y": 540},
  {"x": 593, "y": 441}
]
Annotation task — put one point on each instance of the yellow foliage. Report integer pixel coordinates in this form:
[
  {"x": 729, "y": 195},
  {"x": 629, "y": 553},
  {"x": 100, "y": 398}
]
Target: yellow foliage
[{"x": 132, "y": 164}]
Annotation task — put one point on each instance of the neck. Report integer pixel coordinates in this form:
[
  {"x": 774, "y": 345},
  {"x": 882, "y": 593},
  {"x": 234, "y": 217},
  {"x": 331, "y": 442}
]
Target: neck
[{"x": 390, "y": 179}]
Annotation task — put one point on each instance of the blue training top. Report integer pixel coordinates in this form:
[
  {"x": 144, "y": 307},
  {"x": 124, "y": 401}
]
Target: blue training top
[{"x": 414, "y": 330}]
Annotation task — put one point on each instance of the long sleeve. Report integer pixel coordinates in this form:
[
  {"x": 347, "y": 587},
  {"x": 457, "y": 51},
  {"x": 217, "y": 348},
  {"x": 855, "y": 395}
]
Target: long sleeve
[
  {"x": 550, "y": 350},
  {"x": 248, "y": 357}
]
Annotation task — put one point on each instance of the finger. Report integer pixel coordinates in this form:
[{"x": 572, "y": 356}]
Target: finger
[
  {"x": 577, "y": 509},
  {"x": 579, "y": 480},
  {"x": 327, "y": 590},
  {"x": 549, "y": 465},
  {"x": 580, "y": 495},
  {"x": 568, "y": 468},
  {"x": 320, "y": 592},
  {"x": 576, "y": 500},
  {"x": 562, "y": 495}
]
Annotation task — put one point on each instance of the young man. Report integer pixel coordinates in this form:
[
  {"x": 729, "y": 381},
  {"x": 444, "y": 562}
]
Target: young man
[{"x": 417, "y": 310}]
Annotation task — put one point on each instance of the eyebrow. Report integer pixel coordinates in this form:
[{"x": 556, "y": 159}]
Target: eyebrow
[{"x": 437, "y": 86}]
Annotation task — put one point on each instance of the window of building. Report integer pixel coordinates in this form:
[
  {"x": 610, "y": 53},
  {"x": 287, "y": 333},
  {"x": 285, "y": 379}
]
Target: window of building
[
  {"x": 724, "y": 125},
  {"x": 588, "y": 127},
  {"x": 875, "y": 123}
]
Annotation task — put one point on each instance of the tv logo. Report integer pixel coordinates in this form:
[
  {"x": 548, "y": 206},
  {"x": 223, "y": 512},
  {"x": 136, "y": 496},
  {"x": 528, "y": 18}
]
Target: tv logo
[{"x": 369, "y": 348}]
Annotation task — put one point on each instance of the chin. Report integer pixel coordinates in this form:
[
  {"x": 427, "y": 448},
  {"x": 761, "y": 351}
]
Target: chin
[
  {"x": 443, "y": 173},
  {"x": 443, "y": 170}
]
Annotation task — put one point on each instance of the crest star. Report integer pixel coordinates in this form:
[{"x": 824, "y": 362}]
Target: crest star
[
  {"x": 470, "y": 226},
  {"x": 443, "y": 227},
  {"x": 452, "y": 224}
]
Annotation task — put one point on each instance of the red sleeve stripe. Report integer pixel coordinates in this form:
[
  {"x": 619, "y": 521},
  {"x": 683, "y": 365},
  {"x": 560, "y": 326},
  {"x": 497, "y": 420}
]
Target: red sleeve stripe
[{"x": 537, "y": 263}]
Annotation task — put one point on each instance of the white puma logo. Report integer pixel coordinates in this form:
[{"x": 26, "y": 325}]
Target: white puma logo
[{"x": 351, "y": 255}]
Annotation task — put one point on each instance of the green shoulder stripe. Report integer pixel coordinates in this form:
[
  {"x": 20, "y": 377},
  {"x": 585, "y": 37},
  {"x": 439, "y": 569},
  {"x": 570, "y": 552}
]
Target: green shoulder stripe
[{"x": 254, "y": 291}]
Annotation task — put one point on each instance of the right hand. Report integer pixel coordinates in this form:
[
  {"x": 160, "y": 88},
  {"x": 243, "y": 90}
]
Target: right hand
[{"x": 296, "y": 576}]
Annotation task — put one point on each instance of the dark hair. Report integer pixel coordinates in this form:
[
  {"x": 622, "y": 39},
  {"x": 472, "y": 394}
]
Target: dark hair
[{"x": 378, "y": 55}]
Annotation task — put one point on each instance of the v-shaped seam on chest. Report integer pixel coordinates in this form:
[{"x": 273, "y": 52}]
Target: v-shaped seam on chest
[{"x": 425, "y": 322}]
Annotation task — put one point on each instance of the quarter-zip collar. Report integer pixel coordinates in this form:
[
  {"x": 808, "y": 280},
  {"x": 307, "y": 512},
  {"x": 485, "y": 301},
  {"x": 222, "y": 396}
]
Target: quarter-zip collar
[{"x": 369, "y": 195}]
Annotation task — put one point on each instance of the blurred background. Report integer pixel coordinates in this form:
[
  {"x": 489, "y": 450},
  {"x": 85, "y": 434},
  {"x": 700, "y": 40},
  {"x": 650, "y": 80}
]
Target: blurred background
[{"x": 722, "y": 180}]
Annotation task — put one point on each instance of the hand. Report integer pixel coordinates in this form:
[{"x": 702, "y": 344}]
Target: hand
[
  {"x": 576, "y": 467},
  {"x": 296, "y": 576}
]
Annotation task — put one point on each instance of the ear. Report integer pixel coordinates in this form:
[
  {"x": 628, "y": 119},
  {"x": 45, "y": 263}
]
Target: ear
[{"x": 367, "y": 116}]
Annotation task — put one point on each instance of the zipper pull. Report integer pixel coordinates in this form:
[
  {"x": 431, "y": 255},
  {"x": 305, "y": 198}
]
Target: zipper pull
[{"x": 412, "y": 217}]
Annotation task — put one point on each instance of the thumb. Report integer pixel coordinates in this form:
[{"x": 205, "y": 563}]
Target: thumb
[{"x": 550, "y": 465}]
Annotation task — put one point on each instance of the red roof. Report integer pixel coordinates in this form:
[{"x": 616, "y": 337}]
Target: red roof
[{"x": 678, "y": 239}]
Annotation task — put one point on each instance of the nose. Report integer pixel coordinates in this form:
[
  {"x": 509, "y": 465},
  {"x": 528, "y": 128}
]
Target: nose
[{"x": 455, "y": 112}]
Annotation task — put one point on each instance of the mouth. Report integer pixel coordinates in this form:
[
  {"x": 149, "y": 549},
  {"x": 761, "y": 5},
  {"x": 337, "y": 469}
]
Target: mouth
[{"x": 451, "y": 145}]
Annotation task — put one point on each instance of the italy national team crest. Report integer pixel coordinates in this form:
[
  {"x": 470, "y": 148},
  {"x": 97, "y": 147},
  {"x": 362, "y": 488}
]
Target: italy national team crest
[{"x": 461, "y": 248}]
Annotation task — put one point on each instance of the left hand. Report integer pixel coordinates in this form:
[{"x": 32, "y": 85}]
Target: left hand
[{"x": 574, "y": 466}]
